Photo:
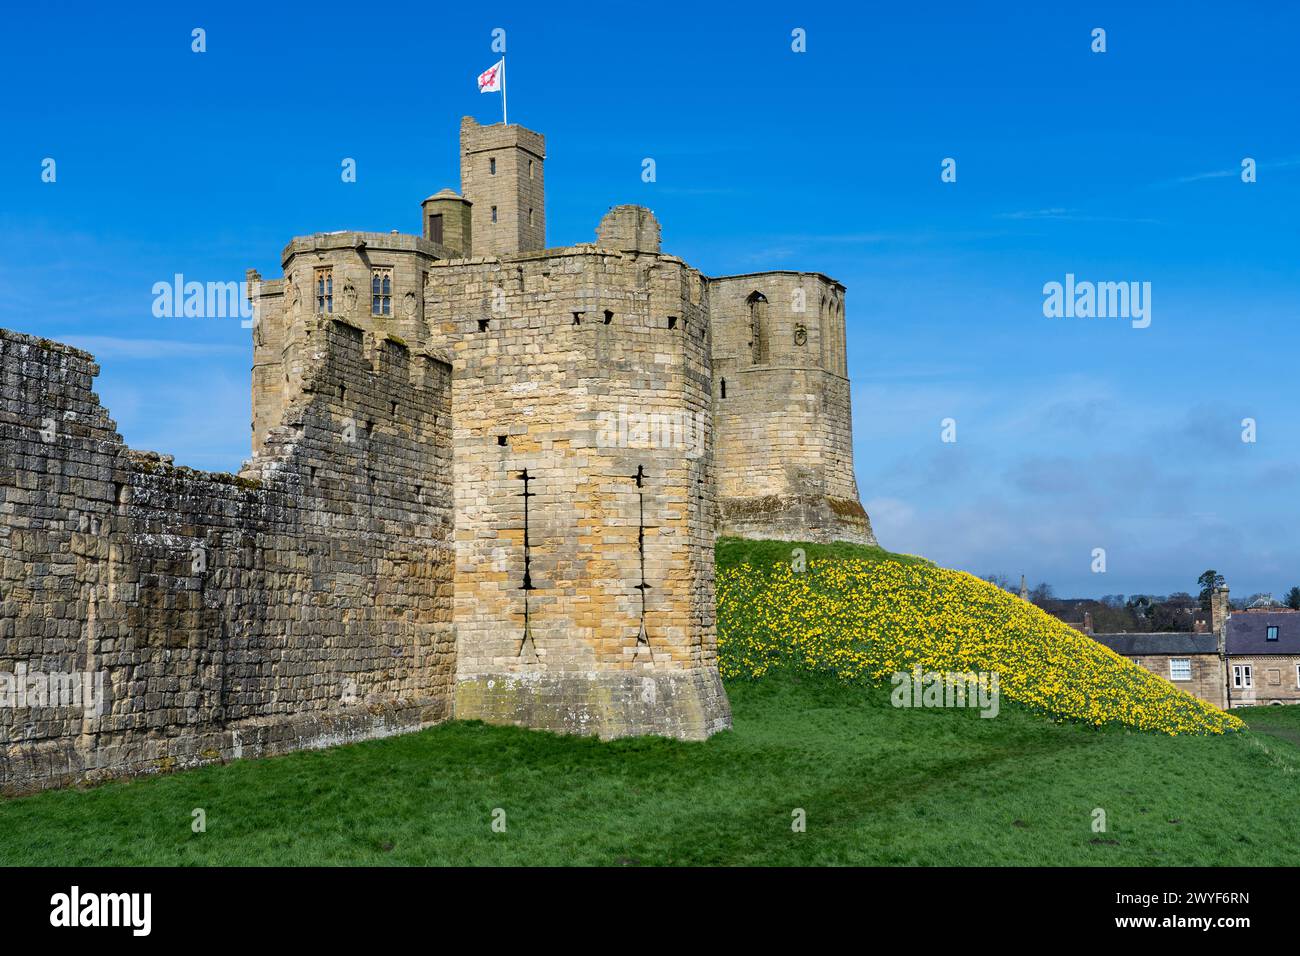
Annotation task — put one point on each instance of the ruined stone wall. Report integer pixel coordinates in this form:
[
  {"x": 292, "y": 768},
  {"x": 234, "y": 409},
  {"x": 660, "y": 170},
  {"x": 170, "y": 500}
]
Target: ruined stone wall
[
  {"x": 782, "y": 409},
  {"x": 582, "y": 367},
  {"x": 304, "y": 602},
  {"x": 285, "y": 308}
]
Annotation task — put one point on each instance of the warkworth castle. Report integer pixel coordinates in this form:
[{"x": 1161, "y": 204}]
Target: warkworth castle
[{"x": 487, "y": 476}]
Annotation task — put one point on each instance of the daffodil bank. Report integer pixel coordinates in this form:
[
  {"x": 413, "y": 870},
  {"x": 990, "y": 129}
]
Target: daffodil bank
[{"x": 864, "y": 620}]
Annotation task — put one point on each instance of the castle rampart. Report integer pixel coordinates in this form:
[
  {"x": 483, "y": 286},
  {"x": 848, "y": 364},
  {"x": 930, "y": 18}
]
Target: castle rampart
[{"x": 304, "y": 602}]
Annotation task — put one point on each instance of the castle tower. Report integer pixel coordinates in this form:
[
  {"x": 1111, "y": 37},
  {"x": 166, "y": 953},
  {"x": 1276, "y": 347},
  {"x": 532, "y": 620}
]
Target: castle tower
[
  {"x": 584, "y": 589},
  {"x": 782, "y": 410},
  {"x": 501, "y": 176},
  {"x": 372, "y": 281}
]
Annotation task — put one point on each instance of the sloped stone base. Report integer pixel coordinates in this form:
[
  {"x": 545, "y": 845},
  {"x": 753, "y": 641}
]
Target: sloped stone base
[
  {"x": 685, "y": 704},
  {"x": 817, "y": 518}
]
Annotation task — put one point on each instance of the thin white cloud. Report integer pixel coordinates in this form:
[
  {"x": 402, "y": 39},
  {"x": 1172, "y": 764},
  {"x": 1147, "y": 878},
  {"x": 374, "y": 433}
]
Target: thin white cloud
[
  {"x": 1289, "y": 163},
  {"x": 111, "y": 346},
  {"x": 1058, "y": 214}
]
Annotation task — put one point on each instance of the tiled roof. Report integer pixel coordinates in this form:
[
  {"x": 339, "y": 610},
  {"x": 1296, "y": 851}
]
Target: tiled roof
[
  {"x": 1248, "y": 633},
  {"x": 1169, "y": 642}
]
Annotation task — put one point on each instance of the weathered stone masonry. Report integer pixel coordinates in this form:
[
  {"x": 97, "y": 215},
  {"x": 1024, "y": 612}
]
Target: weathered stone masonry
[
  {"x": 487, "y": 478},
  {"x": 305, "y": 602}
]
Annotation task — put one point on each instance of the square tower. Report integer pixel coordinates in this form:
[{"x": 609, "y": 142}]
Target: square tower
[{"x": 501, "y": 175}]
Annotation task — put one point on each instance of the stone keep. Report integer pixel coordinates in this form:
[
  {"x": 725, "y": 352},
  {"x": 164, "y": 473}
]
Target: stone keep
[{"x": 487, "y": 477}]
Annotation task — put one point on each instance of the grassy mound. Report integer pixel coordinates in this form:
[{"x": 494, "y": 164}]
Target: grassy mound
[{"x": 863, "y": 614}]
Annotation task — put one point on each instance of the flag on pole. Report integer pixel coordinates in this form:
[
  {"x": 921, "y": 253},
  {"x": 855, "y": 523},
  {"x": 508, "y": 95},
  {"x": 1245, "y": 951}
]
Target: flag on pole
[{"x": 489, "y": 81}]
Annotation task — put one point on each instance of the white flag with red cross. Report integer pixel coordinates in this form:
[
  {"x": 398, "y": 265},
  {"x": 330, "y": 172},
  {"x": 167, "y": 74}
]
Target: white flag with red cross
[{"x": 489, "y": 81}]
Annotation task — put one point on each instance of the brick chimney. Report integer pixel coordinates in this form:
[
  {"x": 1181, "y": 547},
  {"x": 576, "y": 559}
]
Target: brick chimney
[
  {"x": 1219, "y": 612},
  {"x": 1087, "y": 622}
]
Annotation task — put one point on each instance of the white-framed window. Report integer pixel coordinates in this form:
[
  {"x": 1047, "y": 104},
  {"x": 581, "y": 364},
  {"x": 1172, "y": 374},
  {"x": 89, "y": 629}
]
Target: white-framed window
[
  {"x": 1272, "y": 633},
  {"x": 381, "y": 291},
  {"x": 324, "y": 289},
  {"x": 1297, "y": 676},
  {"x": 1180, "y": 668},
  {"x": 1242, "y": 676}
]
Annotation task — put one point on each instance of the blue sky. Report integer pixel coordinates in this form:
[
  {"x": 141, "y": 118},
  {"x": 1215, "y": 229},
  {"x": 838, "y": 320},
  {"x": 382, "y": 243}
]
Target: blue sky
[{"x": 1072, "y": 434}]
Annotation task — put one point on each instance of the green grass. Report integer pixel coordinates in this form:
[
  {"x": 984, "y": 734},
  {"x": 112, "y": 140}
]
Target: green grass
[
  {"x": 879, "y": 786},
  {"x": 733, "y": 552}
]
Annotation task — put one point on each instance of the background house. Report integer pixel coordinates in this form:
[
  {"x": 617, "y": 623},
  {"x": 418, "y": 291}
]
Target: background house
[{"x": 1249, "y": 656}]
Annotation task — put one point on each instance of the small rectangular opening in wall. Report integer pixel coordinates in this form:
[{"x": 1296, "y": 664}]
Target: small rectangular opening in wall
[
  {"x": 494, "y": 213},
  {"x": 502, "y": 440},
  {"x": 724, "y": 388},
  {"x": 393, "y": 408},
  {"x": 119, "y": 492},
  {"x": 609, "y": 316},
  {"x": 672, "y": 321},
  {"x": 577, "y": 317},
  {"x": 482, "y": 325}
]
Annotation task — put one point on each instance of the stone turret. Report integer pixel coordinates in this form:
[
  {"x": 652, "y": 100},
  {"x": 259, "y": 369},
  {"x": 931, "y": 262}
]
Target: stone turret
[
  {"x": 447, "y": 221},
  {"x": 501, "y": 175},
  {"x": 782, "y": 409}
]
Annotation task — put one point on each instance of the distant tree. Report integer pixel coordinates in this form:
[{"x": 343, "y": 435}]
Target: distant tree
[
  {"x": 1293, "y": 599},
  {"x": 1113, "y": 600},
  {"x": 1041, "y": 593},
  {"x": 1208, "y": 581},
  {"x": 1164, "y": 616},
  {"x": 1001, "y": 581},
  {"x": 1139, "y": 605}
]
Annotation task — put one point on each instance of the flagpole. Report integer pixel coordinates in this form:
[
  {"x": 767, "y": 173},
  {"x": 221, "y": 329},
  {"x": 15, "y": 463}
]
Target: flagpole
[{"x": 503, "y": 90}]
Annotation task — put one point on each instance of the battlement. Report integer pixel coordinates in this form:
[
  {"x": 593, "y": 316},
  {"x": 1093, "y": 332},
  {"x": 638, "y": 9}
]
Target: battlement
[{"x": 362, "y": 244}]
